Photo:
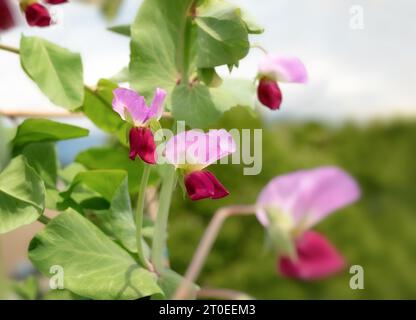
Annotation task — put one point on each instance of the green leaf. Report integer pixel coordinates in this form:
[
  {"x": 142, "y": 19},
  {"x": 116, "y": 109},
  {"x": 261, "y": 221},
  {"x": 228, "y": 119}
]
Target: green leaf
[
  {"x": 194, "y": 105},
  {"x": 115, "y": 218},
  {"x": 234, "y": 93},
  {"x": 210, "y": 77},
  {"x": 94, "y": 266},
  {"x": 121, "y": 29},
  {"x": 222, "y": 35},
  {"x": 43, "y": 130},
  {"x": 57, "y": 71},
  {"x": 98, "y": 108},
  {"x": 42, "y": 157},
  {"x": 157, "y": 45},
  {"x": 22, "y": 195},
  {"x": 69, "y": 172},
  {"x": 200, "y": 107},
  {"x": 116, "y": 157}
]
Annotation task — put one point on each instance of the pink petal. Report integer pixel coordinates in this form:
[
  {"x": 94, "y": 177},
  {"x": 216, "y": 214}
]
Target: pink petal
[
  {"x": 156, "y": 109},
  {"x": 142, "y": 144},
  {"x": 198, "y": 148},
  {"x": 283, "y": 68},
  {"x": 126, "y": 99},
  {"x": 317, "y": 258},
  {"x": 308, "y": 195}
]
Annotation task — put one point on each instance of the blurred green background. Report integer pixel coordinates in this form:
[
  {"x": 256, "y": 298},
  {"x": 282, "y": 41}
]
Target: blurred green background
[{"x": 378, "y": 232}]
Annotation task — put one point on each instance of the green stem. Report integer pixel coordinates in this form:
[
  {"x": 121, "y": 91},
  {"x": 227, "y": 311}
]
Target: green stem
[
  {"x": 140, "y": 213},
  {"x": 9, "y": 49},
  {"x": 187, "y": 44},
  {"x": 160, "y": 232},
  {"x": 44, "y": 219}
]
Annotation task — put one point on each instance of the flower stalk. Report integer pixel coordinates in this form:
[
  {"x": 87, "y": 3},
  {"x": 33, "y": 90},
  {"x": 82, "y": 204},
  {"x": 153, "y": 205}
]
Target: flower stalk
[
  {"x": 139, "y": 215},
  {"x": 206, "y": 244},
  {"x": 160, "y": 232}
]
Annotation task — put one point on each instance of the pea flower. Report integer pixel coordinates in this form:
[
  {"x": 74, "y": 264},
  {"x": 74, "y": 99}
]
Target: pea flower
[
  {"x": 37, "y": 15},
  {"x": 6, "y": 15},
  {"x": 291, "y": 204},
  {"x": 133, "y": 108},
  {"x": 192, "y": 151},
  {"x": 278, "y": 68}
]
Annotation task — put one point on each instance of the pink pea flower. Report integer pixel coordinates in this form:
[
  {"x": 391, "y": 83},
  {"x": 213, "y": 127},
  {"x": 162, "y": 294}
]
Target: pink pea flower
[
  {"x": 291, "y": 204},
  {"x": 133, "y": 108},
  {"x": 37, "y": 15},
  {"x": 278, "y": 68},
  {"x": 7, "y": 20},
  {"x": 192, "y": 151}
]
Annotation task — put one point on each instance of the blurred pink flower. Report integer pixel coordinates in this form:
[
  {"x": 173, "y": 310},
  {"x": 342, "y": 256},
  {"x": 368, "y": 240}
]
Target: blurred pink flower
[
  {"x": 316, "y": 258},
  {"x": 133, "y": 108},
  {"x": 293, "y": 203},
  {"x": 6, "y": 15},
  {"x": 275, "y": 68},
  {"x": 194, "y": 150}
]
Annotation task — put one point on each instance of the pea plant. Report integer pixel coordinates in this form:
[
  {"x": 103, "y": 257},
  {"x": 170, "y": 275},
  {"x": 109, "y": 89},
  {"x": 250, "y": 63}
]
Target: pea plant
[{"x": 101, "y": 228}]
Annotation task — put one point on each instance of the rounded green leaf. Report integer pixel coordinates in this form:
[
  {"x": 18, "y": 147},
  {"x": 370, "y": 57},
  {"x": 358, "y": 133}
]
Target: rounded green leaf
[
  {"x": 56, "y": 71},
  {"x": 22, "y": 195},
  {"x": 93, "y": 266},
  {"x": 44, "y": 130},
  {"x": 194, "y": 105},
  {"x": 158, "y": 44}
]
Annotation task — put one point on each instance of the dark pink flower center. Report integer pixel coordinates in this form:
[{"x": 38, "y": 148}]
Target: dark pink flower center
[
  {"x": 37, "y": 15},
  {"x": 6, "y": 15},
  {"x": 204, "y": 185},
  {"x": 316, "y": 258},
  {"x": 142, "y": 144},
  {"x": 55, "y": 1},
  {"x": 269, "y": 94}
]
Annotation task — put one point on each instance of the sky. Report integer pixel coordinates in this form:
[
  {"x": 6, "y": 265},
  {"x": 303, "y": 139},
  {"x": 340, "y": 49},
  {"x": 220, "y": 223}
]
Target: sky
[{"x": 359, "y": 55}]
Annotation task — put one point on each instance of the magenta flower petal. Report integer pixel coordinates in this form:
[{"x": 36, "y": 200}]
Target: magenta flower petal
[
  {"x": 200, "y": 149},
  {"x": 317, "y": 258},
  {"x": 204, "y": 185},
  {"x": 308, "y": 196},
  {"x": 37, "y": 15},
  {"x": 126, "y": 100},
  {"x": 6, "y": 15},
  {"x": 156, "y": 109},
  {"x": 269, "y": 94},
  {"x": 53, "y": 2},
  {"x": 142, "y": 144},
  {"x": 283, "y": 68}
]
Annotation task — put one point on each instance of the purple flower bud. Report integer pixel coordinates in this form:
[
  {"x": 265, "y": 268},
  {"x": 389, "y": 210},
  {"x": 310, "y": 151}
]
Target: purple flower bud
[
  {"x": 37, "y": 15},
  {"x": 142, "y": 144},
  {"x": 269, "y": 93},
  {"x": 203, "y": 185},
  {"x": 6, "y": 15}
]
